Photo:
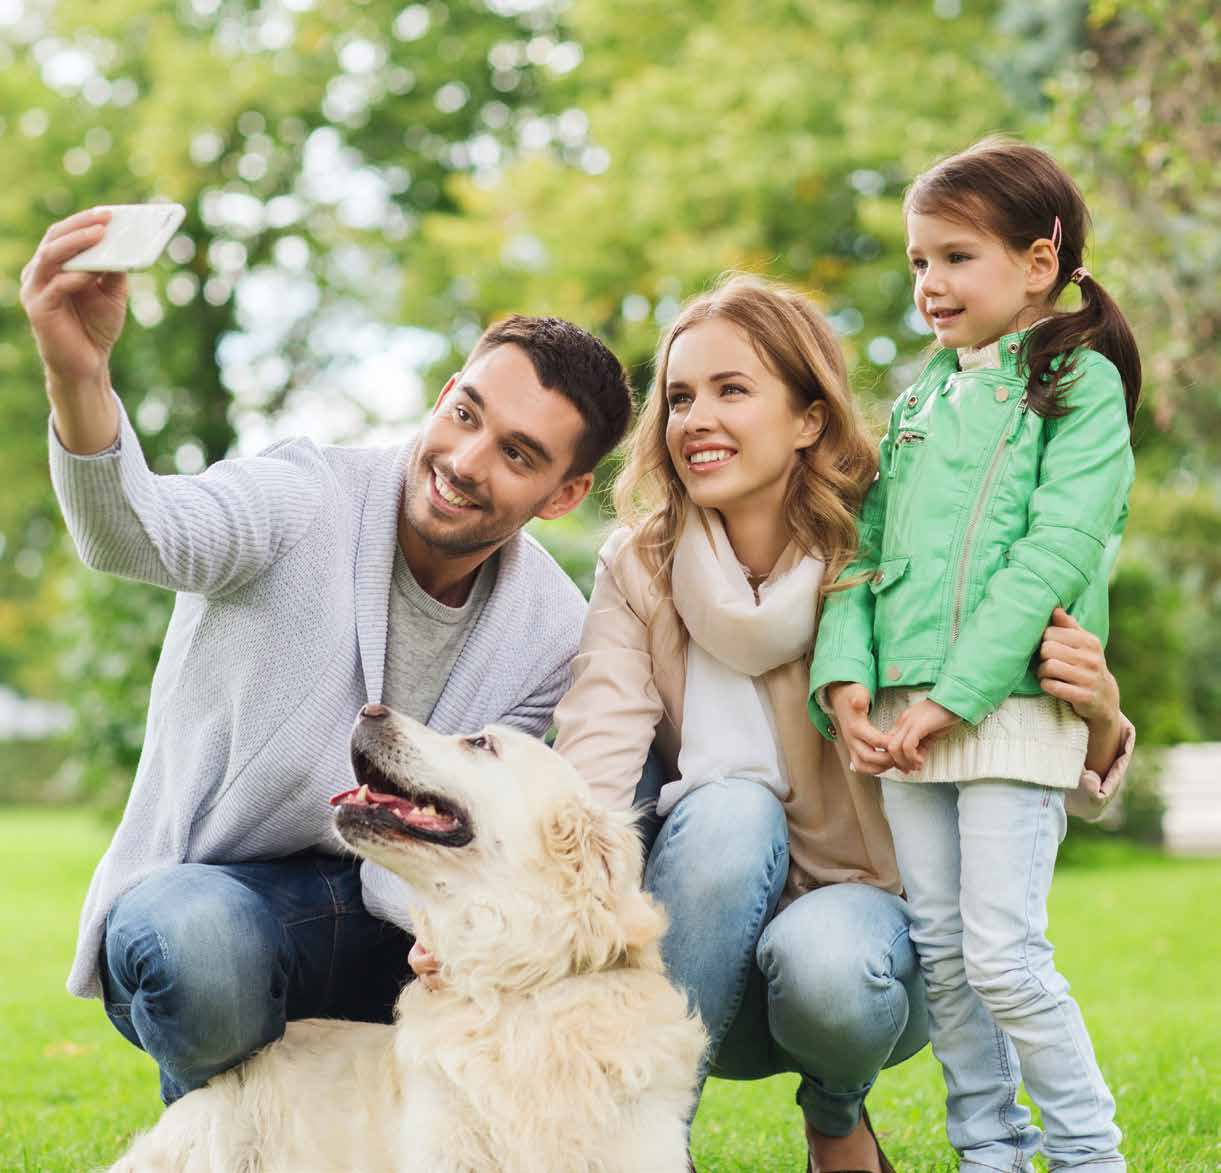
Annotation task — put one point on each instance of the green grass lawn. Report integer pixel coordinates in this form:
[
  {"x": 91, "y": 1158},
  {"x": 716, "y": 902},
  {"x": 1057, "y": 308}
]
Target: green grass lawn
[{"x": 1136, "y": 936}]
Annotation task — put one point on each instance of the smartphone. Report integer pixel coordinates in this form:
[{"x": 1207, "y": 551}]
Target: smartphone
[{"x": 134, "y": 238}]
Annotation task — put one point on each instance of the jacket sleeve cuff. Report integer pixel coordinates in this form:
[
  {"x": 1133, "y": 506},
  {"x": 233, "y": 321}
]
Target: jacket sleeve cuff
[
  {"x": 1094, "y": 794},
  {"x": 840, "y": 670},
  {"x": 961, "y": 699}
]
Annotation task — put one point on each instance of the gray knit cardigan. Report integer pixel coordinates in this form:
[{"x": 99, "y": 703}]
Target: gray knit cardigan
[{"x": 282, "y": 565}]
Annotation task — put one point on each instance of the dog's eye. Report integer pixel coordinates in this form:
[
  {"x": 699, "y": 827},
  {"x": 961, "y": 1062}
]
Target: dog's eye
[{"x": 482, "y": 742}]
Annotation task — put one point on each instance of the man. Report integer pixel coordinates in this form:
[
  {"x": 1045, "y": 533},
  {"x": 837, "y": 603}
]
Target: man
[{"x": 310, "y": 581}]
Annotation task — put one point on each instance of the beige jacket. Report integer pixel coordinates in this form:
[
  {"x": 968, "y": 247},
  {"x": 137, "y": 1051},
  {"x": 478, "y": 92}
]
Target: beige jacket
[{"x": 628, "y": 684}]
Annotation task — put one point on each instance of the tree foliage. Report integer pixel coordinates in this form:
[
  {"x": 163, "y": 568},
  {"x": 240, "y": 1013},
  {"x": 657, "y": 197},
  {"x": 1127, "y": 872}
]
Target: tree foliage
[
  {"x": 351, "y": 167},
  {"x": 306, "y": 140},
  {"x": 780, "y": 140}
]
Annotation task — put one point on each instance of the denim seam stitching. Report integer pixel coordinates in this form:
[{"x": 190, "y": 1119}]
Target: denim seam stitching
[
  {"x": 336, "y": 912},
  {"x": 999, "y": 1038},
  {"x": 889, "y": 957},
  {"x": 1059, "y": 1003},
  {"x": 755, "y": 928}
]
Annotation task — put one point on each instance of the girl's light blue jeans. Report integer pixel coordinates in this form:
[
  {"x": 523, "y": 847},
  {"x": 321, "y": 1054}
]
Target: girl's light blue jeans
[
  {"x": 977, "y": 860},
  {"x": 829, "y": 987}
]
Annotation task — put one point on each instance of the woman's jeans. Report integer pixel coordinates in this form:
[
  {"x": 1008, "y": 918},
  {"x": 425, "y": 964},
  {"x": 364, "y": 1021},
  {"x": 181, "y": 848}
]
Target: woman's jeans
[
  {"x": 977, "y": 861},
  {"x": 203, "y": 964},
  {"x": 830, "y": 987}
]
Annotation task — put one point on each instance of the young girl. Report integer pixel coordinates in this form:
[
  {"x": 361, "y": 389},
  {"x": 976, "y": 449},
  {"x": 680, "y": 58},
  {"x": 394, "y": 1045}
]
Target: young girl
[{"x": 1002, "y": 496}]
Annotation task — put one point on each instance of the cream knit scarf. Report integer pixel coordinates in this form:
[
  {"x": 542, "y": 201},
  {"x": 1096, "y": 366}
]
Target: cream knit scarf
[{"x": 735, "y": 639}]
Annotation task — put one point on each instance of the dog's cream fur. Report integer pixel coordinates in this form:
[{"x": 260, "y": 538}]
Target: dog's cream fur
[{"x": 556, "y": 1044}]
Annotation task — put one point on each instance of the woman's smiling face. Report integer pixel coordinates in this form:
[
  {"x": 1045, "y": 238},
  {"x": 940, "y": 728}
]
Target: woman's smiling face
[{"x": 733, "y": 428}]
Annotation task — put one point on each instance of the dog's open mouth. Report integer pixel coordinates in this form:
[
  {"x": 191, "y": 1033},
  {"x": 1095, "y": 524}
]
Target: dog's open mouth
[{"x": 385, "y": 807}]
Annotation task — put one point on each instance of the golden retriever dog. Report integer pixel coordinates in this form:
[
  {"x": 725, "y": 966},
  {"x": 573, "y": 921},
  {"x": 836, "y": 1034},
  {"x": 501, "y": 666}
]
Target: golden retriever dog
[{"x": 555, "y": 1043}]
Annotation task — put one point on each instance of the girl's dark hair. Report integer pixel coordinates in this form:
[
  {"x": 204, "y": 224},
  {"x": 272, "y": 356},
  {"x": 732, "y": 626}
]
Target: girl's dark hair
[{"x": 1015, "y": 192}]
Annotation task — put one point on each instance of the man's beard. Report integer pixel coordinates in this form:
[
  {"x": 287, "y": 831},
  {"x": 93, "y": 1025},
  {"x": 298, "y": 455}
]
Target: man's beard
[{"x": 488, "y": 532}]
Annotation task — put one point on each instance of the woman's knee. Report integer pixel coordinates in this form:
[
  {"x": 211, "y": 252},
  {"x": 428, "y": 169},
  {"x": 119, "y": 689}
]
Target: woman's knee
[
  {"x": 841, "y": 960},
  {"x": 722, "y": 840}
]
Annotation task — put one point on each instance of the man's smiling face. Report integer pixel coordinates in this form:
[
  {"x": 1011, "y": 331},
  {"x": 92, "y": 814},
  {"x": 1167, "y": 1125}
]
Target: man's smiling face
[{"x": 496, "y": 451}]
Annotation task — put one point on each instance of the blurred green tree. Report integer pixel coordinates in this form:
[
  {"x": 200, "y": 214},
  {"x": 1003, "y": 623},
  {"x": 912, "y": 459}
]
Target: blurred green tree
[
  {"x": 779, "y": 140},
  {"x": 348, "y": 167},
  {"x": 305, "y": 139}
]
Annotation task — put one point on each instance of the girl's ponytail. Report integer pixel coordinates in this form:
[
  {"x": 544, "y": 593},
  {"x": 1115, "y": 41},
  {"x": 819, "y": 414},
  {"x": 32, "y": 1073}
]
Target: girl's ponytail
[{"x": 1098, "y": 324}]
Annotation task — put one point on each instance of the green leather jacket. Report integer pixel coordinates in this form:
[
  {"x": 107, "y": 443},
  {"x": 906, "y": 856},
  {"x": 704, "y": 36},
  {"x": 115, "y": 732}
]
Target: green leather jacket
[{"x": 984, "y": 518}]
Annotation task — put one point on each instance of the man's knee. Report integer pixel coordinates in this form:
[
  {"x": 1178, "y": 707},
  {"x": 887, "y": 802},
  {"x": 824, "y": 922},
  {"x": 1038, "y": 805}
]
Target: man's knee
[{"x": 200, "y": 954}]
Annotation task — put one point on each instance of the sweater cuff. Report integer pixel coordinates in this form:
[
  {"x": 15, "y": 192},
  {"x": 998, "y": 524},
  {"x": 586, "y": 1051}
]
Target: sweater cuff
[
  {"x": 95, "y": 473},
  {"x": 387, "y": 896},
  {"x": 57, "y": 445},
  {"x": 1093, "y": 794},
  {"x": 111, "y": 486}
]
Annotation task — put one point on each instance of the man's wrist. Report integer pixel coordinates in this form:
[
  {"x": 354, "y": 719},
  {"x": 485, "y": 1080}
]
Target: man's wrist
[{"x": 83, "y": 414}]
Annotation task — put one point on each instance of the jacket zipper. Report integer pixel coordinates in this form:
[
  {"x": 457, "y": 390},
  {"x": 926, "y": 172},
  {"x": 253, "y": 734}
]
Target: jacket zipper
[
  {"x": 981, "y": 501},
  {"x": 904, "y": 438}
]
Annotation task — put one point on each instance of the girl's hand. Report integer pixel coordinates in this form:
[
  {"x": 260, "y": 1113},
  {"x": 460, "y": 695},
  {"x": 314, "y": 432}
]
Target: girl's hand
[
  {"x": 865, "y": 743},
  {"x": 425, "y": 967},
  {"x": 1072, "y": 667},
  {"x": 916, "y": 726}
]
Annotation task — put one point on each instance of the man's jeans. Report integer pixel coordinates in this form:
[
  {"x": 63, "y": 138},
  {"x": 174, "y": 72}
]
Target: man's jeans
[
  {"x": 977, "y": 861},
  {"x": 829, "y": 988},
  {"x": 203, "y": 964}
]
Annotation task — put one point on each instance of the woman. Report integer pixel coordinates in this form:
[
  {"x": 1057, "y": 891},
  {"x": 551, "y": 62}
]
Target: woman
[{"x": 774, "y": 860}]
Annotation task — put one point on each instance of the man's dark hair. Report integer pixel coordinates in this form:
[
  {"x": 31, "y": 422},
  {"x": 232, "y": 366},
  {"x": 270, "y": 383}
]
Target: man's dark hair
[{"x": 574, "y": 363}]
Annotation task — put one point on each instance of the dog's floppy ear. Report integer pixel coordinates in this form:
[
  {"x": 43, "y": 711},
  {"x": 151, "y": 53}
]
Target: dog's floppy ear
[{"x": 596, "y": 853}]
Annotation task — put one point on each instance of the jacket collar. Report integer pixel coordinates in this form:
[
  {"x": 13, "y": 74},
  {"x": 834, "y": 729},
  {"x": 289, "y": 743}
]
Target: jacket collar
[{"x": 1004, "y": 354}]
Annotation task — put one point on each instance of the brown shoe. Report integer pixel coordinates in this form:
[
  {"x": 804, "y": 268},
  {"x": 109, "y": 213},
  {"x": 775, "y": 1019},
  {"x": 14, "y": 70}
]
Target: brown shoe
[{"x": 883, "y": 1162}]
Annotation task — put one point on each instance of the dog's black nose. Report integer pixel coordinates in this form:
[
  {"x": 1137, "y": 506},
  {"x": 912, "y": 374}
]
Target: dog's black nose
[{"x": 375, "y": 711}]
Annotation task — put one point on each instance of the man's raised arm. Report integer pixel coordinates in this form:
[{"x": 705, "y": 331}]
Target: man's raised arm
[
  {"x": 77, "y": 319},
  {"x": 201, "y": 534}
]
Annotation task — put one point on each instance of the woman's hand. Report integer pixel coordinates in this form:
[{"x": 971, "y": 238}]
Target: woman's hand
[
  {"x": 1073, "y": 668},
  {"x": 918, "y": 724},
  {"x": 865, "y": 743},
  {"x": 425, "y": 967}
]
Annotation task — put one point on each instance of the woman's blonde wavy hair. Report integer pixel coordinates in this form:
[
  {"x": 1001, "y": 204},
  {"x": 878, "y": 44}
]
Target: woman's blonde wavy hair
[{"x": 831, "y": 477}]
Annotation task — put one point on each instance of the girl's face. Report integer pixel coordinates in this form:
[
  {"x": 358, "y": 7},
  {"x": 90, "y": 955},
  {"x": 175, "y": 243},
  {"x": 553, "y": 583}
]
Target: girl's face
[
  {"x": 734, "y": 428},
  {"x": 969, "y": 287}
]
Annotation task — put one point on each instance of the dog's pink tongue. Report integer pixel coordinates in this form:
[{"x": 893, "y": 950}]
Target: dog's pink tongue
[{"x": 423, "y": 817}]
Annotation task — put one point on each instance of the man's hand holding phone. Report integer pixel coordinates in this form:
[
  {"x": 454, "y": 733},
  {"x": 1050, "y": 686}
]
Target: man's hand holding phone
[{"x": 77, "y": 314}]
